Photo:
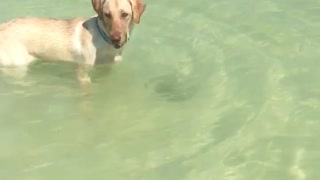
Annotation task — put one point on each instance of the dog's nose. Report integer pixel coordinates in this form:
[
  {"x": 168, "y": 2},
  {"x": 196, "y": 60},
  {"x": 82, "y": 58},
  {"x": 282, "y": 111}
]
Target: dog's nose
[{"x": 115, "y": 38}]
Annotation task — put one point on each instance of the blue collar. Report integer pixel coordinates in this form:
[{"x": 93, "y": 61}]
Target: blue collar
[{"x": 102, "y": 33}]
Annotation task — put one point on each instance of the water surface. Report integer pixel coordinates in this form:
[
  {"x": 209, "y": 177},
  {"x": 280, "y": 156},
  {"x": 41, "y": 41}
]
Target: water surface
[{"x": 207, "y": 90}]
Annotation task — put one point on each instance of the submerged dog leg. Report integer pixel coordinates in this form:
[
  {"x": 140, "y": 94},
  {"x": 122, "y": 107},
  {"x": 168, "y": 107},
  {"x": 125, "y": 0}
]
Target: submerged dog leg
[
  {"x": 84, "y": 78},
  {"x": 118, "y": 57},
  {"x": 17, "y": 73}
]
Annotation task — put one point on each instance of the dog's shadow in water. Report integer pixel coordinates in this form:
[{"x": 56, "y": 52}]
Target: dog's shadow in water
[{"x": 173, "y": 88}]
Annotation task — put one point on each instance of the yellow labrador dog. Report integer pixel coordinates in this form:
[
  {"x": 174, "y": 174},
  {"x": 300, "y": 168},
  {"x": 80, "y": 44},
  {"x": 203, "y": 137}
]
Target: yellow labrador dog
[{"x": 95, "y": 40}]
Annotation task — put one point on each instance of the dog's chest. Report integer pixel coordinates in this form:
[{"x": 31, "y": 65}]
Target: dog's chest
[{"x": 106, "y": 55}]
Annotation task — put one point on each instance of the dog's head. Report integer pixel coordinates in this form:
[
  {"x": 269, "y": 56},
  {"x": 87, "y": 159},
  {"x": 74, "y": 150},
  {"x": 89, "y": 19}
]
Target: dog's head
[{"x": 116, "y": 16}]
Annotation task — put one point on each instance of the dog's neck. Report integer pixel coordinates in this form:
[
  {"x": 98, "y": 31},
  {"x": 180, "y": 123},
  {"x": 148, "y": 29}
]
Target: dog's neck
[{"x": 101, "y": 32}]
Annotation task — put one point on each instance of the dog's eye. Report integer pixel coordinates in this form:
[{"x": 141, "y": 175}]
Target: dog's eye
[
  {"x": 108, "y": 15},
  {"x": 124, "y": 15}
]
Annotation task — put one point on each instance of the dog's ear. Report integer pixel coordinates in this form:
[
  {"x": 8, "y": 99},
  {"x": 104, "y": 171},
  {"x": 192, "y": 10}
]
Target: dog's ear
[
  {"x": 97, "y": 6},
  {"x": 138, "y": 8}
]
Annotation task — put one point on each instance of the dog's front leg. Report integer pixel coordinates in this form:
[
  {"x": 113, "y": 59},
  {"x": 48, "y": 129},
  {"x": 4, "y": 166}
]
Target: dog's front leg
[
  {"x": 118, "y": 57},
  {"x": 83, "y": 77},
  {"x": 17, "y": 73}
]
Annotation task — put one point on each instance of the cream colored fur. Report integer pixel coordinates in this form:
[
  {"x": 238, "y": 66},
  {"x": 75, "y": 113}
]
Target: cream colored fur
[{"x": 78, "y": 40}]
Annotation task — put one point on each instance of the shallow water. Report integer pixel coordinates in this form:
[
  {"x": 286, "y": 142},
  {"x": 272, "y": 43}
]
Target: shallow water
[{"x": 207, "y": 90}]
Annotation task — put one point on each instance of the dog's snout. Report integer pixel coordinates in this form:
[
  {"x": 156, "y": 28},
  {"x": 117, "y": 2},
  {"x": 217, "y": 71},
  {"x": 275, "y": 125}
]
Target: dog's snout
[{"x": 115, "y": 38}]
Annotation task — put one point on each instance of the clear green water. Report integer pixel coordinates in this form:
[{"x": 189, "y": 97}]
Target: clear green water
[{"x": 208, "y": 90}]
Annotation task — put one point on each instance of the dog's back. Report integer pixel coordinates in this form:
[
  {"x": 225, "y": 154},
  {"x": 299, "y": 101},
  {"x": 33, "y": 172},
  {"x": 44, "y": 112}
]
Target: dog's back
[{"x": 40, "y": 38}]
